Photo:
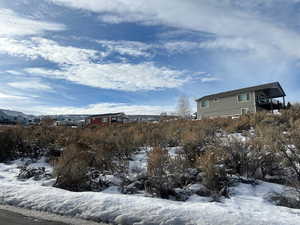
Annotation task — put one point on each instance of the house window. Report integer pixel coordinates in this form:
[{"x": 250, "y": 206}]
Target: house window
[
  {"x": 216, "y": 99},
  {"x": 245, "y": 97},
  {"x": 244, "y": 111},
  {"x": 205, "y": 104},
  {"x": 104, "y": 119}
]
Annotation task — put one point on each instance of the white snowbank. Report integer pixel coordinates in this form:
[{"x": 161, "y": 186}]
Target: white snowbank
[{"x": 246, "y": 207}]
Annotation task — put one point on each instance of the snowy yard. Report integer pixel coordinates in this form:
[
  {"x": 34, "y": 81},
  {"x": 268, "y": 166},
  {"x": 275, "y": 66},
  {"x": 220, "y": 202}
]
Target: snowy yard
[{"x": 247, "y": 204}]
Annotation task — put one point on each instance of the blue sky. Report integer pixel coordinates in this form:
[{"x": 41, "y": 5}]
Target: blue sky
[{"x": 97, "y": 56}]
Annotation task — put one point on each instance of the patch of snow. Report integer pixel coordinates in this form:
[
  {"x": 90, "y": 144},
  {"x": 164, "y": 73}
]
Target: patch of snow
[
  {"x": 173, "y": 151},
  {"x": 237, "y": 137},
  {"x": 246, "y": 206},
  {"x": 9, "y": 172},
  {"x": 112, "y": 190},
  {"x": 139, "y": 162},
  {"x": 113, "y": 180}
]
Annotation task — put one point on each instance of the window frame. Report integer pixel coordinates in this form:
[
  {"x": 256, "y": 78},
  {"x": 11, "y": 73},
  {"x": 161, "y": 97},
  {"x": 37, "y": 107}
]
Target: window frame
[
  {"x": 247, "y": 97},
  {"x": 201, "y": 104}
]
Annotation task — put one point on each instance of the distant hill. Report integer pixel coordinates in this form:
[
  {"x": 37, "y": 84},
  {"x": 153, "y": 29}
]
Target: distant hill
[
  {"x": 13, "y": 113},
  {"x": 3, "y": 115},
  {"x": 10, "y": 116}
]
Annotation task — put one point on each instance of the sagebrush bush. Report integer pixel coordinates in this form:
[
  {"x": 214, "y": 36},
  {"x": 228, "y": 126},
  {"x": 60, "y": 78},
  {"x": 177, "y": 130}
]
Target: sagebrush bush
[
  {"x": 270, "y": 151},
  {"x": 9, "y": 145},
  {"x": 215, "y": 176},
  {"x": 157, "y": 183},
  {"x": 72, "y": 167}
]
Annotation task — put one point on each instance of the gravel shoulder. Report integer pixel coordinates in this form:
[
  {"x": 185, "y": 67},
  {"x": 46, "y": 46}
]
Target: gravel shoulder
[{"x": 10, "y": 215}]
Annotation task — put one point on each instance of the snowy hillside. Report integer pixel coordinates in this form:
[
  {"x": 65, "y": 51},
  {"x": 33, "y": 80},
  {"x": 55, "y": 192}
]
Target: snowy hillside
[
  {"x": 13, "y": 113},
  {"x": 14, "y": 116}
]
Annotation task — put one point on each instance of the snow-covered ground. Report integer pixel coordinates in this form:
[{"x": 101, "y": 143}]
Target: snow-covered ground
[{"x": 247, "y": 204}]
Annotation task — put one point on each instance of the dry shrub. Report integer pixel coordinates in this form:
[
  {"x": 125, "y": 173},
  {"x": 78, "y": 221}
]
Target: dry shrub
[
  {"x": 157, "y": 162},
  {"x": 252, "y": 158},
  {"x": 290, "y": 151},
  {"x": 108, "y": 149},
  {"x": 72, "y": 167},
  {"x": 284, "y": 151},
  {"x": 9, "y": 145},
  {"x": 195, "y": 140},
  {"x": 291, "y": 114},
  {"x": 16, "y": 143},
  {"x": 240, "y": 124},
  {"x": 156, "y": 137},
  {"x": 157, "y": 183},
  {"x": 236, "y": 160},
  {"x": 180, "y": 172},
  {"x": 108, "y": 158},
  {"x": 215, "y": 177},
  {"x": 263, "y": 160}
]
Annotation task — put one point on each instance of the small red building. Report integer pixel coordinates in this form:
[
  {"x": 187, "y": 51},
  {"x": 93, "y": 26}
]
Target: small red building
[{"x": 106, "y": 119}]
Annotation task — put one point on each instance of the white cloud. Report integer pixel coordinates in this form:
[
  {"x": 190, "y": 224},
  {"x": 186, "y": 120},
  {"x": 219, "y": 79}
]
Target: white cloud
[
  {"x": 133, "y": 17},
  {"x": 30, "y": 85},
  {"x": 4, "y": 96},
  {"x": 14, "y": 25},
  {"x": 132, "y": 48},
  {"x": 227, "y": 19},
  {"x": 119, "y": 76},
  {"x": 250, "y": 46},
  {"x": 179, "y": 46},
  {"x": 102, "y": 108},
  {"x": 209, "y": 79},
  {"x": 77, "y": 65},
  {"x": 14, "y": 72},
  {"x": 47, "y": 49}
]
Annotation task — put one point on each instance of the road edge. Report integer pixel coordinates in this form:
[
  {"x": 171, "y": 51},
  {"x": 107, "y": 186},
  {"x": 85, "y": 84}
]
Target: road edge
[{"x": 48, "y": 216}]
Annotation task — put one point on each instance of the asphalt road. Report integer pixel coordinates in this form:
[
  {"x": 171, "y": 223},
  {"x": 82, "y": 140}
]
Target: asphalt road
[{"x": 11, "y": 218}]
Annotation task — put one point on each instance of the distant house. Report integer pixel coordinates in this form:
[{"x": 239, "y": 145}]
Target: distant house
[
  {"x": 106, "y": 119},
  {"x": 144, "y": 118},
  {"x": 241, "y": 101}
]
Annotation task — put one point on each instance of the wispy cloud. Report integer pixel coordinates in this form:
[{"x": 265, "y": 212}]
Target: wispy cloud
[
  {"x": 36, "y": 47},
  {"x": 209, "y": 79},
  {"x": 30, "y": 85},
  {"x": 131, "y": 48},
  {"x": 129, "y": 109},
  {"x": 13, "y": 25},
  {"x": 77, "y": 65},
  {"x": 119, "y": 76},
  {"x": 13, "y": 72},
  {"x": 181, "y": 46},
  {"x": 5, "y": 96},
  {"x": 230, "y": 21},
  {"x": 110, "y": 107}
]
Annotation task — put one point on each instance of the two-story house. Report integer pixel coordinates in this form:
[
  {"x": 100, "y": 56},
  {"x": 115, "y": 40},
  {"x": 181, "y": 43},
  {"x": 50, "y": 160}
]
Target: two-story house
[{"x": 241, "y": 101}]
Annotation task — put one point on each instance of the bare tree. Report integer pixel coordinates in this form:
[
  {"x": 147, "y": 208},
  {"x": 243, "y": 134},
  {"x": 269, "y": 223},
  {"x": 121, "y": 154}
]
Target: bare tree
[{"x": 183, "y": 107}]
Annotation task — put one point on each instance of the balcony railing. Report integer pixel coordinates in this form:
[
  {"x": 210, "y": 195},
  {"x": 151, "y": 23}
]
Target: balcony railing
[{"x": 269, "y": 104}]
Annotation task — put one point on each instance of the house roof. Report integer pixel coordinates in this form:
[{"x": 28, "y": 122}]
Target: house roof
[{"x": 273, "y": 90}]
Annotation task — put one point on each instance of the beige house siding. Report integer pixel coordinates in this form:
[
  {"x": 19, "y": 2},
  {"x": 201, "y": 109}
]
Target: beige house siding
[{"x": 226, "y": 106}]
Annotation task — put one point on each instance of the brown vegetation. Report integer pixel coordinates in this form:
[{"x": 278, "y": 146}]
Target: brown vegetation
[{"x": 271, "y": 152}]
